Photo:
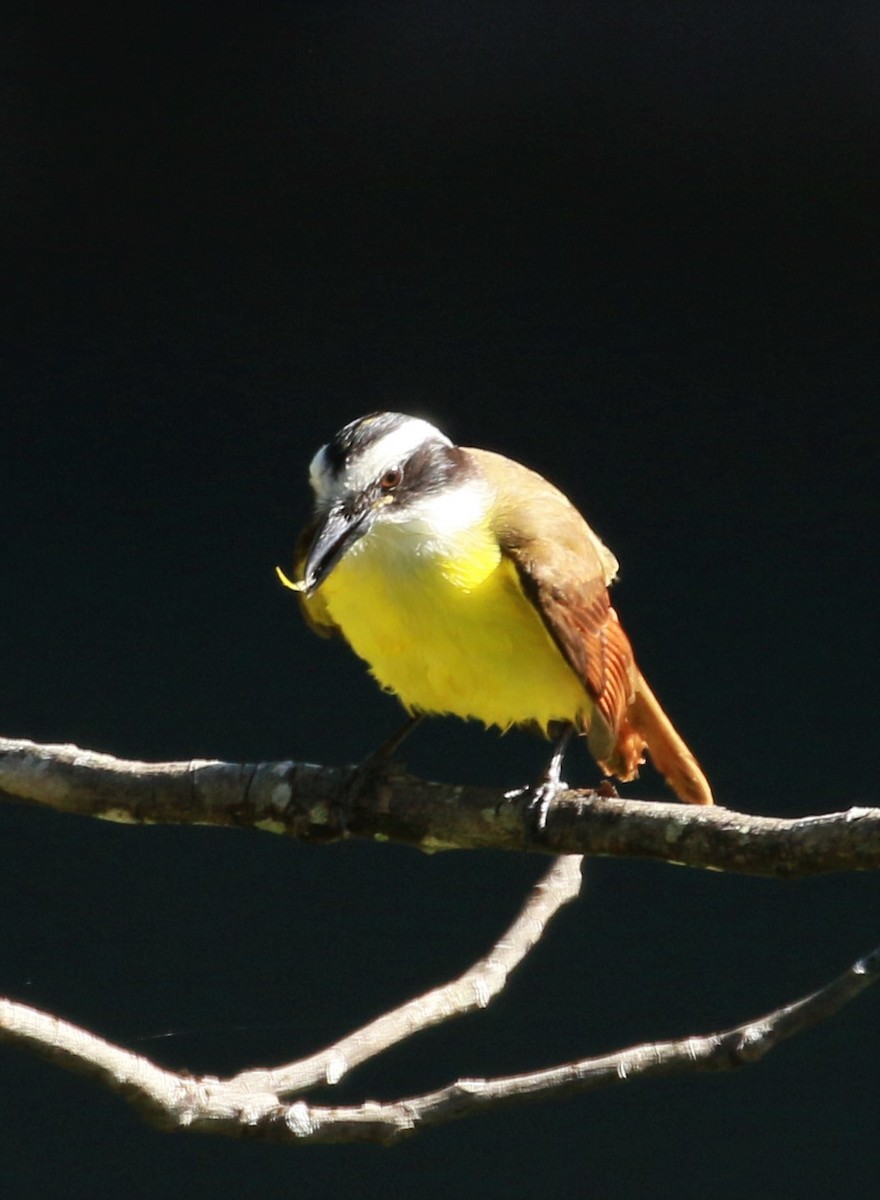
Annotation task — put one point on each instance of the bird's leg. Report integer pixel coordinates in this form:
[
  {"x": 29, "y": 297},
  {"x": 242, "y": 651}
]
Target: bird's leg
[
  {"x": 377, "y": 762},
  {"x": 389, "y": 747},
  {"x": 542, "y": 795},
  {"x": 551, "y": 785}
]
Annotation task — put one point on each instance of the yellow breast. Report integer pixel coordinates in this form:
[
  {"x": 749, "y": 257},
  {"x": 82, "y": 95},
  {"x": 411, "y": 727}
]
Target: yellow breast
[{"x": 449, "y": 629}]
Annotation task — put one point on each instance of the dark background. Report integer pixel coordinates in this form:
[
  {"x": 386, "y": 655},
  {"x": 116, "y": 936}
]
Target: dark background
[{"x": 631, "y": 244}]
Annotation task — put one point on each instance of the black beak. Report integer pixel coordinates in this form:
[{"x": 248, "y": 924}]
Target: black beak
[{"x": 336, "y": 532}]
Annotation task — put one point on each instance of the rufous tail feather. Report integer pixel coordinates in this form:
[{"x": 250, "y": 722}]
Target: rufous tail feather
[{"x": 666, "y": 749}]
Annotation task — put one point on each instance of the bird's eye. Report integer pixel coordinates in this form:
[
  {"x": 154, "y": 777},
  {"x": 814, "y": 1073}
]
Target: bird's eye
[{"x": 391, "y": 479}]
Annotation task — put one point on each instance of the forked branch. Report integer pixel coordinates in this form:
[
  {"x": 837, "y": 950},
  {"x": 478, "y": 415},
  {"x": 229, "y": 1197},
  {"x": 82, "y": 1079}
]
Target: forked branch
[{"x": 257, "y": 1104}]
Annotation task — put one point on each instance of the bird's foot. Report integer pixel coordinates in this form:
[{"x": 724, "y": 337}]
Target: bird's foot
[
  {"x": 542, "y": 795},
  {"x": 539, "y": 800},
  {"x": 365, "y": 777},
  {"x": 363, "y": 783},
  {"x": 369, "y": 775}
]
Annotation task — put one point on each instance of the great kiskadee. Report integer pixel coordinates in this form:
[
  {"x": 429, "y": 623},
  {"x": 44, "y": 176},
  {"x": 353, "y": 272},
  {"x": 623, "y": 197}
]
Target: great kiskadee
[{"x": 471, "y": 586}]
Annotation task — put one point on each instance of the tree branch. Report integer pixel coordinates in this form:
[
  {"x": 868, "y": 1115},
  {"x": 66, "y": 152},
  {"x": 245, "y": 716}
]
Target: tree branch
[
  {"x": 254, "y": 1097},
  {"x": 250, "y": 1104},
  {"x": 322, "y": 804},
  {"x": 319, "y": 804},
  {"x": 475, "y": 989}
]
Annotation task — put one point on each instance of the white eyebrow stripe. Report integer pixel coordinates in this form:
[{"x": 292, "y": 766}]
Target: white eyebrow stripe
[
  {"x": 395, "y": 447},
  {"x": 373, "y": 460}
]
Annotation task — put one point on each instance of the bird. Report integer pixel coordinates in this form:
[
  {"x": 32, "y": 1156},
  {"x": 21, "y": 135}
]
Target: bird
[{"x": 471, "y": 586}]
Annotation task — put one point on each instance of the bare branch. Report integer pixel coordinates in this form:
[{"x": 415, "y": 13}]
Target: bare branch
[
  {"x": 174, "y": 1100},
  {"x": 316, "y": 804},
  {"x": 739, "y": 1046},
  {"x": 241, "y": 1107},
  {"x": 476, "y": 988}
]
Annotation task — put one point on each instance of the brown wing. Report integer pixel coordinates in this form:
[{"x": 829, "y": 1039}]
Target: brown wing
[
  {"x": 313, "y": 608},
  {"x": 565, "y": 571}
]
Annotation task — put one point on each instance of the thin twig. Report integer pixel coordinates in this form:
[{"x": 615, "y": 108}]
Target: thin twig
[
  {"x": 173, "y": 1099},
  {"x": 739, "y": 1046},
  {"x": 475, "y": 989},
  {"x": 212, "y": 1105}
]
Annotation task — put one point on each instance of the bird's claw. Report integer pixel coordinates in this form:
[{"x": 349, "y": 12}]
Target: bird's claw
[{"x": 540, "y": 800}]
